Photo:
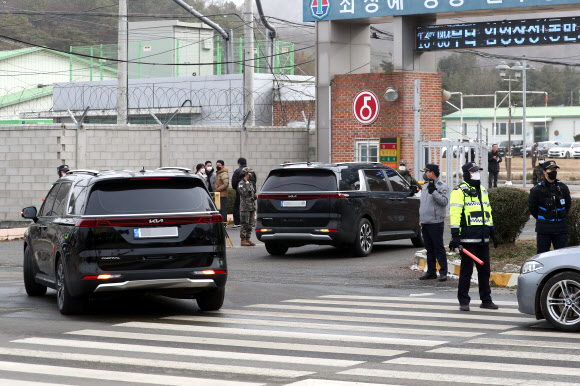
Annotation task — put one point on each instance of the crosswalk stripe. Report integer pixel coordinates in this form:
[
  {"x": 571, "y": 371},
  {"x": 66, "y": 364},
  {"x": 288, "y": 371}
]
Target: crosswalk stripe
[
  {"x": 239, "y": 343},
  {"x": 507, "y": 354},
  {"x": 526, "y": 343},
  {"x": 448, "y": 378},
  {"x": 156, "y": 363},
  {"x": 409, "y": 299},
  {"x": 397, "y": 305},
  {"x": 188, "y": 352},
  {"x": 326, "y": 382},
  {"x": 322, "y": 326},
  {"x": 117, "y": 376},
  {"x": 413, "y": 314},
  {"x": 492, "y": 366},
  {"x": 282, "y": 334},
  {"x": 366, "y": 319},
  {"x": 543, "y": 334},
  {"x": 17, "y": 382}
]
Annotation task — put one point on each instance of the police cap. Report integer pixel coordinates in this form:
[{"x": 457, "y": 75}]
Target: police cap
[
  {"x": 470, "y": 167},
  {"x": 431, "y": 168}
]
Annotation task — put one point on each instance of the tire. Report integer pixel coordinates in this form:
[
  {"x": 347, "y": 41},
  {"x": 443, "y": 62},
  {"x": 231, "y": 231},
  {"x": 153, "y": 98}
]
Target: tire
[
  {"x": 211, "y": 301},
  {"x": 562, "y": 311},
  {"x": 67, "y": 305},
  {"x": 363, "y": 243},
  {"x": 276, "y": 249},
  {"x": 31, "y": 286},
  {"x": 418, "y": 240}
]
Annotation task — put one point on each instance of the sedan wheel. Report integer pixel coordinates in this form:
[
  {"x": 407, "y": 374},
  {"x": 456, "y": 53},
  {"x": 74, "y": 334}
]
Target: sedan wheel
[{"x": 561, "y": 301}]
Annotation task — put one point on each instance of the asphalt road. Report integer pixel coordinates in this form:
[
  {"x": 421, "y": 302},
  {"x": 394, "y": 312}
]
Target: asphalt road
[{"x": 314, "y": 317}]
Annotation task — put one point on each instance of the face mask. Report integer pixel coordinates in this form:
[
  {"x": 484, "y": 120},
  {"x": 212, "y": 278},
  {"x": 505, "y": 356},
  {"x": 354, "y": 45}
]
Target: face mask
[
  {"x": 553, "y": 174},
  {"x": 401, "y": 168},
  {"x": 202, "y": 171},
  {"x": 219, "y": 168},
  {"x": 425, "y": 178},
  {"x": 209, "y": 169},
  {"x": 476, "y": 176}
]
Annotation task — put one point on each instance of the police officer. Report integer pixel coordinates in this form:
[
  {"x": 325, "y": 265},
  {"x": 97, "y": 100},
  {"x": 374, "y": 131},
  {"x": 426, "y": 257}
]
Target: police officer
[
  {"x": 472, "y": 227},
  {"x": 247, "y": 194},
  {"x": 549, "y": 203},
  {"x": 404, "y": 172},
  {"x": 432, "y": 214}
]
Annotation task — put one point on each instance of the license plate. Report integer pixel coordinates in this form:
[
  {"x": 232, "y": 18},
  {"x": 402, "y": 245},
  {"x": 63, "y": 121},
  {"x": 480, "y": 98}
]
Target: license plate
[
  {"x": 156, "y": 232},
  {"x": 294, "y": 204}
]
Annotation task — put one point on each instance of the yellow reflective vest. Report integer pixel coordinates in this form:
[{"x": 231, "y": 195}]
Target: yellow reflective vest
[{"x": 470, "y": 214}]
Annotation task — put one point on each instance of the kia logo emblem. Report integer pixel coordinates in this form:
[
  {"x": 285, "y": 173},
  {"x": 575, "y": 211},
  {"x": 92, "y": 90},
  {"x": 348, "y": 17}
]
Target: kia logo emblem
[{"x": 156, "y": 221}]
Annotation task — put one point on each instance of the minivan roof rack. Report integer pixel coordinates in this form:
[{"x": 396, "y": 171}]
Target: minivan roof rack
[
  {"x": 83, "y": 171},
  {"x": 185, "y": 170}
]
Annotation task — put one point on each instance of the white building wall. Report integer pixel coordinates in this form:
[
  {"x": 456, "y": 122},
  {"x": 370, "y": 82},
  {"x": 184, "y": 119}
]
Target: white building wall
[{"x": 39, "y": 104}]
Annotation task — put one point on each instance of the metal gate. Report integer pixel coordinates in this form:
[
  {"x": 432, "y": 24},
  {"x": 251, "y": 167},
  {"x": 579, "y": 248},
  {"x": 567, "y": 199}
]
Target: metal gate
[{"x": 451, "y": 156}]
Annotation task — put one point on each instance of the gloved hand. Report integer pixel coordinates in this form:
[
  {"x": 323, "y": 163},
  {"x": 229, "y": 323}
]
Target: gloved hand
[
  {"x": 454, "y": 243},
  {"x": 494, "y": 237},
  {"x": 431, "y": 187}
]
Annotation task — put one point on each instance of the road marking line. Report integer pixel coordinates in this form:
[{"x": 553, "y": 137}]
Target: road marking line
[
  {"x": 240, "y": 343},
  {"x": 416, "y": 299},
  {"x": 413, "y": 295},
  {"x": 365, "y": 319},
  {"x": 492, "y": 366},
  {"x": 189, "y": 352},
  {"x": 413, "y": 314},
  {"x": 526, "y": 343},
  {"x": 17, "y": 382},
  {"x": 397, "y": 305},
  {"x": 322, "y": 326},
  {"x": 155, "y": 363},
  {"x": 282, "y": 334},
  {"x": 544, "y": 334},
  {"x": 326, "y": 382},
  {"x": 117, "y": 376},
  {"x": 507, "y": 354},
  {"x": 448, "y": 378}
]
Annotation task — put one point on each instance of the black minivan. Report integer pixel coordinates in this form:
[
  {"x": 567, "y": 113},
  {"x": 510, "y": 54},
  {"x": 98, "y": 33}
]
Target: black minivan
[
  {"x": 343, "y": 204},
  {"x": 112, "y": 232}
]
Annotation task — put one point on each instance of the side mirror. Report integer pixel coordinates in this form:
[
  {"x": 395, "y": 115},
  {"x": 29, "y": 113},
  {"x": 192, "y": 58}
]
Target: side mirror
[{"x": 29, "y": 213}]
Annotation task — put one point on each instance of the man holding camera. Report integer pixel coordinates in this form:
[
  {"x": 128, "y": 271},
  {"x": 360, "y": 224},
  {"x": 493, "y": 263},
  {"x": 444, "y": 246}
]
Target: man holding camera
[{"x": 432, "y": 215}]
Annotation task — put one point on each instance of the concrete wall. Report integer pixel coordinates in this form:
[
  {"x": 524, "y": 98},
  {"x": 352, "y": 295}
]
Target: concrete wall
[{"x": 30, "y": 154}]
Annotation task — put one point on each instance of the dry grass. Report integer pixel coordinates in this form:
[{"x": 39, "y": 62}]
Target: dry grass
[{"x": 510, "y": 257}]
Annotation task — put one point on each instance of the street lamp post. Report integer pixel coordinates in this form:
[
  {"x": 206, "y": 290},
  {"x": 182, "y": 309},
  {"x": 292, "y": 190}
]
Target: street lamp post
[
  {"x": 523, "y": 69},
  {"x": 503, "y": 67}
]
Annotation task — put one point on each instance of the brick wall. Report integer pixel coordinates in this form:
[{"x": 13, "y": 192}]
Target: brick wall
[
  {"x": 396, "y": 119},
  {"x": 29, "y": 154}
]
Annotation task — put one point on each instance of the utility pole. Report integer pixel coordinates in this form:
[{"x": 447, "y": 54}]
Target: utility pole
[
  {"x": 122, "y": 75},
  {"x": 249, "y": 63}
]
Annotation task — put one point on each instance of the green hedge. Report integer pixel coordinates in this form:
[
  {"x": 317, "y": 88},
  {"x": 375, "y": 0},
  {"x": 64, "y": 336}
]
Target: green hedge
[
  {"x": 574, "y": 223},
  {"x": 509, "y": 207}
]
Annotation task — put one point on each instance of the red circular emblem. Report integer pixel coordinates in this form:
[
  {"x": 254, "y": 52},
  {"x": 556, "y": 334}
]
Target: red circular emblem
[{"x": 366, "y": 107}]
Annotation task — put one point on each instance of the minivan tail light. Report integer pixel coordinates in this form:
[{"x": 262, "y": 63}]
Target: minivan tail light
[
  {"x": 209, "y": 272},
  {"x": 101, "y": 277},
  {"x": 148, "y": 221},
  {"x": 287, "y": 196}
]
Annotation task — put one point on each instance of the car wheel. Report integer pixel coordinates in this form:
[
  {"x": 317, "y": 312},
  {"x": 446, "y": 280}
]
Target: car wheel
[
  {"x": 561, "y": 301},
  {"x": 418, "y": 240},
  {"x": 211, "y": 301},
  {"x": 276, "y": 249},
  {"x": 363, "y": 243},
  {"x": 67, "y": 305},
  {"x": 31, "y": 286}
]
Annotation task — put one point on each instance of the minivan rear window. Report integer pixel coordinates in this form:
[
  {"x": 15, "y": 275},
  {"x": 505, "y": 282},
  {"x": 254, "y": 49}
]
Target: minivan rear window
[
  {"x": 144, "y": 196},
  {"x": 300, "y": 181}
]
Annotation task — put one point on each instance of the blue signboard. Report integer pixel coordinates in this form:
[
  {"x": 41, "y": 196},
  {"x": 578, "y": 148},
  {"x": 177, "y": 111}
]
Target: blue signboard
[{"x": 316, "y": 10}]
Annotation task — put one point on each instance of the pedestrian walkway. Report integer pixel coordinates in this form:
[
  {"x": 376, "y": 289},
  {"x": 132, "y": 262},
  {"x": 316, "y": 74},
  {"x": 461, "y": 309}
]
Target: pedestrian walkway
[{"x": 331, "y": 340}]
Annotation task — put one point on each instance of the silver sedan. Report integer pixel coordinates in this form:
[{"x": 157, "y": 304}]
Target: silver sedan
[{"x": 549, "y": 288}]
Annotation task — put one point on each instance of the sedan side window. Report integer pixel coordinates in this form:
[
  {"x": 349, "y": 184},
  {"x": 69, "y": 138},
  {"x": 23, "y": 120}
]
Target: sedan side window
[
  {"x": 46, "y": 209},
  {"x": 376, "y": 181}
]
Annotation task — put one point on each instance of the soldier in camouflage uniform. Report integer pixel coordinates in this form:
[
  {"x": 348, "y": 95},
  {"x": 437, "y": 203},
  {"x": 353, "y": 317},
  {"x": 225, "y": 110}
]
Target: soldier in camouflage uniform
[
  {"x": 247, "y": 194},
  {"x": 406, "y": 174}
]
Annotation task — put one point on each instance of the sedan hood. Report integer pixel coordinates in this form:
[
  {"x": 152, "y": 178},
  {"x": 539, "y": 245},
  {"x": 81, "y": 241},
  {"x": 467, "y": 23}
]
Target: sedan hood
[{"x": 546, "y": 256}]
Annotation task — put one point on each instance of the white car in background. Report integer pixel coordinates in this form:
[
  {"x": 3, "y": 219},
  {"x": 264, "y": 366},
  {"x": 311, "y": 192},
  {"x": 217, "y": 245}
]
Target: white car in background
[{"x": 564, "y": 150}]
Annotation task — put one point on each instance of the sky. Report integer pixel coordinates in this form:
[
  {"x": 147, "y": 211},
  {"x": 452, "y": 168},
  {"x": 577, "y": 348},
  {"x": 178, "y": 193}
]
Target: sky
[{"x": 287, "y": 9}]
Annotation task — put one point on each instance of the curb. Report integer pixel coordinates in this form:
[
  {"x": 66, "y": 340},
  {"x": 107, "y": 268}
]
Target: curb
[
  {"x": 12, "y": 234},
  {"x": 499, "y": 279}
]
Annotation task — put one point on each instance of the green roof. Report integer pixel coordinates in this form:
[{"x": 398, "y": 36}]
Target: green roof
[
  {"x": 25, "y": 51},
  {"x": 531, "y": 112},
  {"x": 24, "y": 96}
]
